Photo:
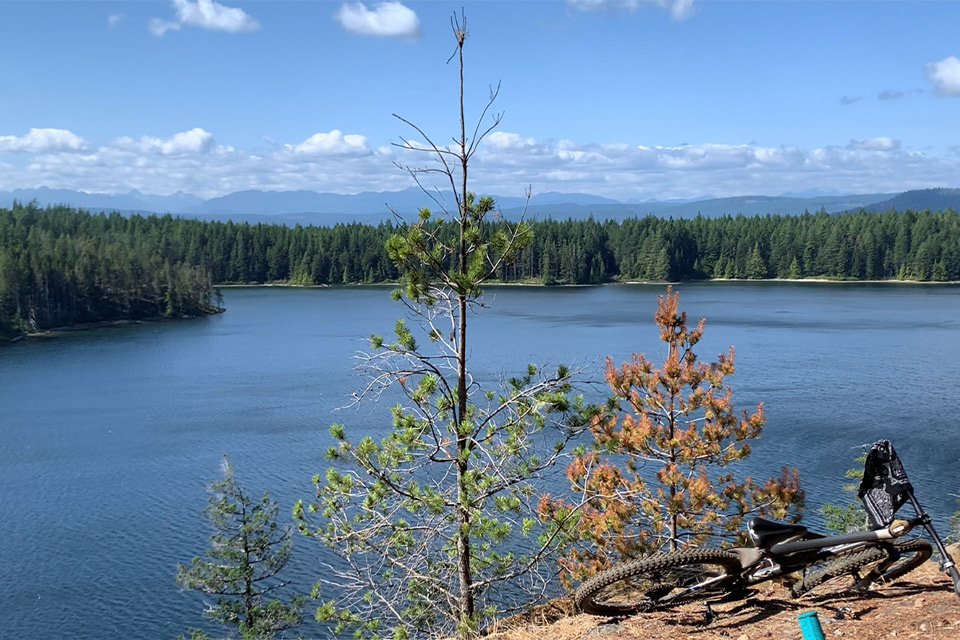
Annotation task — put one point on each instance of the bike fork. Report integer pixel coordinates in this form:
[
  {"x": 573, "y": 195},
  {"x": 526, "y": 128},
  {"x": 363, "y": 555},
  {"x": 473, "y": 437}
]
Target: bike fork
[{"x": 946, "y": 561}]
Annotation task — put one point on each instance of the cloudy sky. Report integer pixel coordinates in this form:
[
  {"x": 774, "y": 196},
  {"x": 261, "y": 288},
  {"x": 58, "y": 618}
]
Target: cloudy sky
[{"x": 629, "y": 99}]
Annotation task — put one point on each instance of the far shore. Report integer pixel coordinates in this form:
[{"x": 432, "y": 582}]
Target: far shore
[
  {"x": 497, "y": 283},
  {"x": 57, "y": 332}
]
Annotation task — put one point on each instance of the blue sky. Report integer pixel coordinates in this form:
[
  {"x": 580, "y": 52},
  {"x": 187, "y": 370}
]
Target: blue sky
[{"x": 630, "y": 99}]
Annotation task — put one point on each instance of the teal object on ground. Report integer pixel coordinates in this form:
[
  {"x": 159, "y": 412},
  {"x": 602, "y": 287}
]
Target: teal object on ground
[{"x": 810, "y": 626}]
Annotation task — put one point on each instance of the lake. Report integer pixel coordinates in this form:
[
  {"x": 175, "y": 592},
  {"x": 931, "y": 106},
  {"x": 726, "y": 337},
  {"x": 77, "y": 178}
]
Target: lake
[{"x": 109, "y": 437}]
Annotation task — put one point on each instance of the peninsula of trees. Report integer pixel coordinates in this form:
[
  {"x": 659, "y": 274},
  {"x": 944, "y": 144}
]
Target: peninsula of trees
[{"x": 61, "y": 266}]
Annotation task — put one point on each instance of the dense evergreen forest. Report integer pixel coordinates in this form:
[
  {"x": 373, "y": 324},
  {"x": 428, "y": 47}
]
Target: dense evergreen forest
[{"x": 61, "y": 266}]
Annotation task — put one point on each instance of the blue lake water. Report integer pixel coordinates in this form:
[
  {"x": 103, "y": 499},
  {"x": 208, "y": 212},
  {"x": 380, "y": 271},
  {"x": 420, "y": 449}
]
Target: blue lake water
[{"x": 109, "y": 437}]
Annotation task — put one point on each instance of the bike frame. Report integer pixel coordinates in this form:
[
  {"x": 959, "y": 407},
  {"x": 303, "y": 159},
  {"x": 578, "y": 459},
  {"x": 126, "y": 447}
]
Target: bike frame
[{"x": 761, "y": 564}]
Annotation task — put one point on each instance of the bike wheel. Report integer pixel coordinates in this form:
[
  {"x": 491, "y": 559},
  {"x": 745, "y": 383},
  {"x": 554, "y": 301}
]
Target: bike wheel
[
  {"x": 658, "y": 582},
  {"x": 839, "y": 575},
  {"x": 909, "y": 554}
]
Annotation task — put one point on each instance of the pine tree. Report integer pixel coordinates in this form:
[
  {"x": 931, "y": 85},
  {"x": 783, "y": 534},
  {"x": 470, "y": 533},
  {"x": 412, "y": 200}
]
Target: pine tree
[
  {"x": 756, "y": 266},
  {"x": 248, "y": 549},
  {"x": 435, "y": 526},
  {"x": 656, "y": 477},
  {"x": 850, "y": 516}
]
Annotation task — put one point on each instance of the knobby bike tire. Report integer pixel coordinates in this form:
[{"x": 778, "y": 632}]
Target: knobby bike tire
[
  {"x": 846, "y": 571},
  {"x": 658, "y": 582},
  {"x": 838, "y": 575},
  {"x": 913, "y": 553}
]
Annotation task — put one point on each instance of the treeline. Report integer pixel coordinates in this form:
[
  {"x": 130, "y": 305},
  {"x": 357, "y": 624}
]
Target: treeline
[
  {"x": 908, "y": 245},
  {"x": 61, "y": 266}
]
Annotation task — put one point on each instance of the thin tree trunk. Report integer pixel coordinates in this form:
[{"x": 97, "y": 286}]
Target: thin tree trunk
[{"x": 463, "y": 439}]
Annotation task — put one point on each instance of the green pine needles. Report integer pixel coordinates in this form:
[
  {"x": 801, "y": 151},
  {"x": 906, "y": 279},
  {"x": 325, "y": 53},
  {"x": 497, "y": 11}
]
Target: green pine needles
[
  {"x": 434, "y": 528},
  {"x": 247, "y": 551},
  {"x": 849, "y": 517}
]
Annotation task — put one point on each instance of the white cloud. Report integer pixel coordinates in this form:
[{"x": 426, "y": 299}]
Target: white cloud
[
  {"x": 43, "y": 141},
  {"x": 694, "y": 170},
  {"x": 187, "y": 142},
  {"x": 194, "y": 162},
  {"x": 326, "y": 144},
  {"x": 386, "y": 19},
  {"x": 115, "y": 19},
  {"x": 874, "y": 144},
  {"x": 504, "y": 140},
  {"x": 158, "y": 27},
  {"x": 679, "y": 9},
  {"x": 194, "y": 141},
  {"x": 205, "y": 14},
  {"x": 945, "y": 76}
]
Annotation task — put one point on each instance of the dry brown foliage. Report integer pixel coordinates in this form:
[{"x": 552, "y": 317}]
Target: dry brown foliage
[{"x": 657, "y": 476}]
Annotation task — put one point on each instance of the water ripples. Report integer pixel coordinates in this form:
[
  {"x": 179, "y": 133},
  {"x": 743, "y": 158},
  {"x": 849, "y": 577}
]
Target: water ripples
[{"x": 110, "y": 437}]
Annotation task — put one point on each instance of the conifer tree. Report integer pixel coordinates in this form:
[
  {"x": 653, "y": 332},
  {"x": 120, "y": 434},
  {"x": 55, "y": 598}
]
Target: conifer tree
[
  {"x": 435, "y": 526},
  {"x": 850, "y": 516},
  {"x": 657, "y": 477},
  {"x": 248, "y": 549}
]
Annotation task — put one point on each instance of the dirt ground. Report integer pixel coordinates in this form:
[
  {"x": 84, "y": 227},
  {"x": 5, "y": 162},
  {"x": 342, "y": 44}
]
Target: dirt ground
[{"x": 921, "y": 605}]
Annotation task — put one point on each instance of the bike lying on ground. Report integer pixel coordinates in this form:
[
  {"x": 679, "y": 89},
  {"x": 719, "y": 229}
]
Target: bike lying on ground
[{"x": 821, "y": 564}]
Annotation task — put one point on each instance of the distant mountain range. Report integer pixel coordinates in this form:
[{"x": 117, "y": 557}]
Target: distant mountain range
[
  {"x": 933, "y": 199},
  {"x": 310, "y": 207}
]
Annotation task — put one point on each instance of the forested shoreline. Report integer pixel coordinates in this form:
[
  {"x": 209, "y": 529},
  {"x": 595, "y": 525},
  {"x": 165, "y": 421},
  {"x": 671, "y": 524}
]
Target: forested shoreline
[{"x": 61, "y": 266}]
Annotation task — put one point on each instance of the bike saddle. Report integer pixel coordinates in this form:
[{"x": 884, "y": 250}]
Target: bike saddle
[{"x": 766, "y": 533}]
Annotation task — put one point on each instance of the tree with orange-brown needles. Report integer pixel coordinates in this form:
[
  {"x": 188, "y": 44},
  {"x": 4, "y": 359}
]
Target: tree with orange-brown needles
[{"x": 658, "y": 475}]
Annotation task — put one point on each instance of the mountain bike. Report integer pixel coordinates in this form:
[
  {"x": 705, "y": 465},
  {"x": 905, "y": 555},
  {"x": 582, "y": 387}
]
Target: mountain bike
[{"x": 814, "y": 562}]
